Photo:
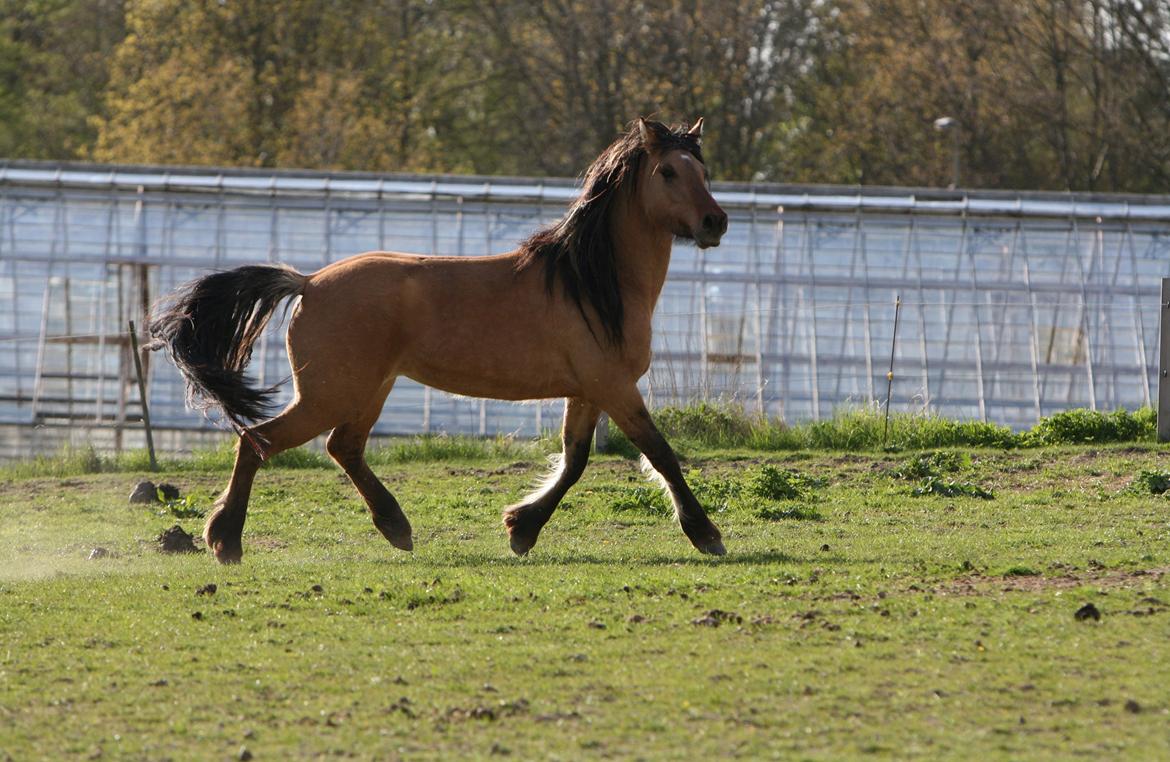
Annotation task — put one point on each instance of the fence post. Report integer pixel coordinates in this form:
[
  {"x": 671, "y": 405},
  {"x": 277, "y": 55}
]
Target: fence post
[
  {"x": 142, "y": 397},
  {"x": 890, "y": 374},
  {"x": 1164, "y": 363},
  {"x": 601, "y": 434}
]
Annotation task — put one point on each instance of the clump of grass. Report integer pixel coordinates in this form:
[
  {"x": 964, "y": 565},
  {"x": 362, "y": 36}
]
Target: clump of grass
[
  {"x": 299, "y": 457},
  {"x": 772, "y": 483},
  {"x": 1151, "y": 482},
  {"x": 795, "y": 512},
  {"x": 710, "y": 423},
  {"x": 725, "y": 425},
  {"x": 716, "y": 494},
  {"x": 770, "y": 493},
  {"x": 935, "y": 464},
  {"x": 864, "y": 429},
  {"x": 1093, "y": 427},
  {"x": 437, "y": 447},
  {"x": 934, "y": 485},
  {"x": 643, "y": 499}
]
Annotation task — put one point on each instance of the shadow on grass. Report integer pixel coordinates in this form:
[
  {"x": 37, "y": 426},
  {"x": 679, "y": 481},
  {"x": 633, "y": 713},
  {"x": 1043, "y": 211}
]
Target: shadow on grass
[{"x": 561, "y": 559}]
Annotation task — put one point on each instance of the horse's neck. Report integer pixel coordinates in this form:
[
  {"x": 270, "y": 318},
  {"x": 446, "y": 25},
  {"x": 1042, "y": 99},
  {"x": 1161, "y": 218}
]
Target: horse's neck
[{"x": 642, "y": 256}]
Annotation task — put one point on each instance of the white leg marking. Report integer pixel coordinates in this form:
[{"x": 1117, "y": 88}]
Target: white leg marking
[
  {"x": 544, "y": 486},
  {"x": 652, "y": 474}
]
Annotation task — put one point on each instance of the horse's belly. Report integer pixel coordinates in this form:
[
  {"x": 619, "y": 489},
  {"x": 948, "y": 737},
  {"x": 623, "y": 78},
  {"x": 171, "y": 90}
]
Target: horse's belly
[
  {"x": 493, "y": 385},
  {"x": 493, "y": 379}
]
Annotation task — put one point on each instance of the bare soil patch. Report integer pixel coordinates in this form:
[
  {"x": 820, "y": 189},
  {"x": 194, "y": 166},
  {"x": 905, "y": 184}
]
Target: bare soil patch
[{"x": 1117, "y": 578}]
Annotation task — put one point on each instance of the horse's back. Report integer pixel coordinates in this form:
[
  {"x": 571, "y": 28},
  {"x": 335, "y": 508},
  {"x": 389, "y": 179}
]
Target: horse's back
[{"x": 477, "y": 326}]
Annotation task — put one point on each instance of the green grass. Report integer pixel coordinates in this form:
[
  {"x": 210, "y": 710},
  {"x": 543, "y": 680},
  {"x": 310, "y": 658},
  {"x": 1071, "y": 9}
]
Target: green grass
[
  {"x": 888, "y": 626},
  {"x": 708, "y": 425},
  {"x": 697, "y": 428}
]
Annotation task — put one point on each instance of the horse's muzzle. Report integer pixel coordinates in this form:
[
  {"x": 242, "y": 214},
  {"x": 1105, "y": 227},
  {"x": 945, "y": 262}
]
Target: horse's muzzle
[{"x": 711, "y": 229}]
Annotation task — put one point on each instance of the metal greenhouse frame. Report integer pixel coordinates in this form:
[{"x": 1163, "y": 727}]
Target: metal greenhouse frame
[{"x": 1014, "y": 305}]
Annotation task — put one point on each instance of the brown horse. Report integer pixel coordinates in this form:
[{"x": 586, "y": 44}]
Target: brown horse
[{"x": 566, "y": 315}]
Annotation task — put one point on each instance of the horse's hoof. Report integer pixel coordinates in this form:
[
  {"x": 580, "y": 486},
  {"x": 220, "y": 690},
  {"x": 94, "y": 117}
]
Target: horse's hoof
[
  {"x": 523, "y": 528},
  {"x": 401, "y": 541},
  {"x": 226, "y": 554},
  {"x": 397, "y": 535},
  {"x": 713, "y": 548},
  {"x": 520, "y": 545}
]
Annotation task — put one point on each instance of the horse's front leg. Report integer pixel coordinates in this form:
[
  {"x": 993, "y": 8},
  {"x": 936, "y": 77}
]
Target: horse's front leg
[
  {"x": 629, "y": 412},
  {"x": 525, "y": 519}
]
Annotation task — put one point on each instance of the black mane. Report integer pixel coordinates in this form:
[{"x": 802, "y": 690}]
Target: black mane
[{"x": 578, "y": 250}]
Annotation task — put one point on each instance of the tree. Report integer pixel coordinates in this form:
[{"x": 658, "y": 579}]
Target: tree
[{"x": 53, "y": 72}]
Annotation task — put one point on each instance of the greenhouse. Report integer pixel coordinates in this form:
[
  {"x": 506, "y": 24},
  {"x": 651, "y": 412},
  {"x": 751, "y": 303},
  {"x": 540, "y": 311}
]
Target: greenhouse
[{"x": 1007, "y": 306}]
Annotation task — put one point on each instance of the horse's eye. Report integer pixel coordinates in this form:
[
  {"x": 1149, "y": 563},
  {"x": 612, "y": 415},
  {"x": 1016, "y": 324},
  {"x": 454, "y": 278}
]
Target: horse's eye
[{"x": 668, "y": 173}]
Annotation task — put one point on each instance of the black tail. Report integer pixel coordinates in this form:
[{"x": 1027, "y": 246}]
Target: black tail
[{"x": 208, "y": 328}]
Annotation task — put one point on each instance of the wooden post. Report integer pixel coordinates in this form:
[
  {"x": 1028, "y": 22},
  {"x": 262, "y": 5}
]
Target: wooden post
[
  {"x": 890, "y": 373},
  {"x": 1164, "y": 364},
  {"x": 142, "y": 397},
  {"x": 601, "y": 434}
]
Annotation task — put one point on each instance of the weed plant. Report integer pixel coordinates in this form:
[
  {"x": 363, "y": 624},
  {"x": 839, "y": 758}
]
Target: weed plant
[{"x": 1151, "y": 482}]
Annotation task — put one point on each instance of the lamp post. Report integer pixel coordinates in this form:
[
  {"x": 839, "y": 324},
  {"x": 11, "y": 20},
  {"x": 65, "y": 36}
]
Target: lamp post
[{"x": 951, "y": 125}]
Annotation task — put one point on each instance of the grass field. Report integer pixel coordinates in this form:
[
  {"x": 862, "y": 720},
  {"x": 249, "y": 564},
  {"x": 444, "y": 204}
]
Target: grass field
[{"x": 852, "y": 618}]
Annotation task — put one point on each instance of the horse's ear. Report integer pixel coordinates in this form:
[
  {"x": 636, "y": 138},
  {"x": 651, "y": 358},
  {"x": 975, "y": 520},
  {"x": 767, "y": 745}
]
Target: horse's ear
[
  {"x": 653, "y": 133},
  {"x": 648, "y": 136},
  {"x": 696, "y": 130}
]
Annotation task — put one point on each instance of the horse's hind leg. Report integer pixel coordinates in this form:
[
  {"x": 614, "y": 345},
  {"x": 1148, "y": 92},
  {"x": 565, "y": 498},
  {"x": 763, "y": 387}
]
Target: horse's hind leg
[
  {"x": 525, "y": 520},
  {"x": 347, "y": 446},
  {"x": 296, "y": 425}
]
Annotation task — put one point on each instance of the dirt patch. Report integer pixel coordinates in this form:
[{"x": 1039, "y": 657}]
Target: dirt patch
[
  {"x": 176, "y": 540},
  {"x": 717, "y": 617},
  {"x": 980, "y": 585},
  {"x": 266, "y": 542}
]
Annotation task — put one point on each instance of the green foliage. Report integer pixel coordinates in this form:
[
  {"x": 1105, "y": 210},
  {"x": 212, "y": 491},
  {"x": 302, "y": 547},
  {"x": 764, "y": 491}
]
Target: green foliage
[
  {"x": 927, "y": 464},
  {"x": 933, "y": 485},
  {"x": 642, "y": 499},
  {"x": 186, "y": 507},
  {"x": 1082, "y": 426},
  {"x": 709, "y": 423},
  {"x": 299, "y": 457},
  {"x": 769, "y": 493},
  {"x": 724, "y": 425},
  {"x": 1151, "y": 482},
  {"x": 617, "y": 443},
  {"x": 772, "y": 483},
  {"x": 715, "y": 494},
  {"x": 439, "y": 447}
]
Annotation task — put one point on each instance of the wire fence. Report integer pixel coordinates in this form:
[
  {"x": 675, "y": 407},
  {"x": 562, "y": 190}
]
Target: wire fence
[{"x": 1014, "y": 306}]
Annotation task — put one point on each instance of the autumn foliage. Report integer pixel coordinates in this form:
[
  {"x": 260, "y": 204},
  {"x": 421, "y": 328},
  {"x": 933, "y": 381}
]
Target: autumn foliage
[{"x": 1059, "y": 94}]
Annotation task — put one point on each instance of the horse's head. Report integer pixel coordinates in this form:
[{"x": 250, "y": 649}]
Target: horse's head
[{"x": 674, "y": 187}]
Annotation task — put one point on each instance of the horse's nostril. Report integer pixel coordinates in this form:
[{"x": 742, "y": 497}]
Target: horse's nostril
[{"x": 715, "y": 223}]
